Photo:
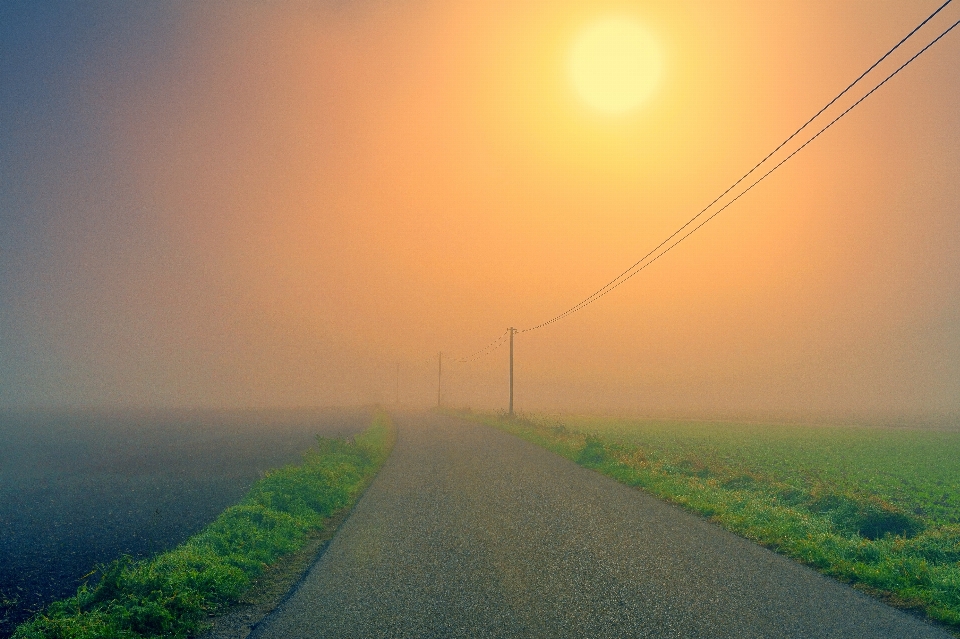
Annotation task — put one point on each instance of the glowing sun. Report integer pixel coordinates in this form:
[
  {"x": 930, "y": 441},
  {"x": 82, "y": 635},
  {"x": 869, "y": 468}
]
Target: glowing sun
[{"x": 614, "y": 65}]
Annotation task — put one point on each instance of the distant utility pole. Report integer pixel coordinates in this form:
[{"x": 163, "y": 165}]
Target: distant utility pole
[
  {"x": 439, "y": 376},
  {"x": 398, "y": 383},
  {"x": 513, "y": 332}
]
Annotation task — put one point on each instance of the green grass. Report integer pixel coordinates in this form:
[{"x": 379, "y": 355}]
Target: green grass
[
  {"x": 173, "y": 594},
  {"x": 875, "y": 507}
]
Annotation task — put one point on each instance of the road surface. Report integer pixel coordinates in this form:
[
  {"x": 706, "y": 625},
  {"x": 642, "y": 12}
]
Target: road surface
[{"x": 470, "y": 532}]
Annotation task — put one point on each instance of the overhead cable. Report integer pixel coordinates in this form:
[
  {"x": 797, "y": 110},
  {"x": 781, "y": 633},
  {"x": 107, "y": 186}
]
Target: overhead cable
[
  {"x": 633, "y": 269},
  {"x": 491, "y": 347}
]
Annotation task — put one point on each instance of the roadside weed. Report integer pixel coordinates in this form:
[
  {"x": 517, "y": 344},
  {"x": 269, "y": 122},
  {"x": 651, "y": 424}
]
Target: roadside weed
[
  {"x": 876, "y": 507},
  {"x": 172, "y": 594}
]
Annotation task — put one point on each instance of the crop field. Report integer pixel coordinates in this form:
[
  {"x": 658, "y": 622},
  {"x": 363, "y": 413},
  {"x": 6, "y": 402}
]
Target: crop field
[{"x": 875, "y": 507}]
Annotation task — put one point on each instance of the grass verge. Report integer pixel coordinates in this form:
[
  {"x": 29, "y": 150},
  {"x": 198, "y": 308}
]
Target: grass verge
[
  {"x": 828, "y": 498},
  {"x": 173, "y": 594}
]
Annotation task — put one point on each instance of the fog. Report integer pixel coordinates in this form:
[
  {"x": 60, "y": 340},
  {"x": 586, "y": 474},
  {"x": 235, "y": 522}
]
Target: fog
[{"x": 257, "y": 205}]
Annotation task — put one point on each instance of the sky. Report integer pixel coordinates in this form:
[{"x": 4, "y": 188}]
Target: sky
[{"x": 302, "y": 203}]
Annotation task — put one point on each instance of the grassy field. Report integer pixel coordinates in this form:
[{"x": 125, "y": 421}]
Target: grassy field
[
  {"x": 174, "y": 593},
  {"x": 876, "y": 507}
]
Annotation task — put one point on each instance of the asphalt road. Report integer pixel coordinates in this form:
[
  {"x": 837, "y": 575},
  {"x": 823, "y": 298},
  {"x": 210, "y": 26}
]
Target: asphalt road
[{"x": 470, "y": 532}]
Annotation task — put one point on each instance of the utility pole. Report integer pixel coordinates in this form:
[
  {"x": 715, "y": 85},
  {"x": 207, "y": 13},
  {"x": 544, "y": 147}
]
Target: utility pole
[
  {"x": 398, "y": 384},
  {"x": 439, "y": 377},
  {"x": 512, "y": 333}
]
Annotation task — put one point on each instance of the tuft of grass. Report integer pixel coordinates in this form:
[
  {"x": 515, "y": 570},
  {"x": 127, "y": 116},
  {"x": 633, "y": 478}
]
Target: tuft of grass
[
  {"x": 173, "y": 594},
  {"x": 877, "y": 508}
]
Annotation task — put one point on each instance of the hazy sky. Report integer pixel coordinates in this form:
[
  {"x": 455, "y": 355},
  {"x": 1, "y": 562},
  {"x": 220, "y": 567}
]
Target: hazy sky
[{"x": 249, "y": 204}]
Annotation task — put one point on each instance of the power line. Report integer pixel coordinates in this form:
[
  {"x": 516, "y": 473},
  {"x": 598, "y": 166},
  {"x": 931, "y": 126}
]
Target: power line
[
  {"x": 628, "y": 274},
  {"x": 657, "y": 253},
  {"x": 633, "y": 270},
  {"x": 490, "y": 348}
]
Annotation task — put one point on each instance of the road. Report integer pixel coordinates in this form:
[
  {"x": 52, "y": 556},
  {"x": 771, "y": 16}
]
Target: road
[{"x": 470, "y": 532}]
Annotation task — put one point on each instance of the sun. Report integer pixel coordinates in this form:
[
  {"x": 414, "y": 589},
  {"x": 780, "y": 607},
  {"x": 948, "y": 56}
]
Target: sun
[{"x": 614, "y": 65}]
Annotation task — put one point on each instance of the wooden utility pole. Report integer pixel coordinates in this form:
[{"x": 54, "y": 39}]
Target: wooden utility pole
[
  {"x": 512, "y": 333},
  {"x": 439, "y": 377}
]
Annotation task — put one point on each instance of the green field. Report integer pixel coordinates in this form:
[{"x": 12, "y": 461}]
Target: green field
[{"x": 876, "y": 507}]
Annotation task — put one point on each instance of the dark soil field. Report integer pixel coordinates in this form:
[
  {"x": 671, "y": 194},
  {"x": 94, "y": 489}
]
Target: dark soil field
[{"x": 78, "y": 489}]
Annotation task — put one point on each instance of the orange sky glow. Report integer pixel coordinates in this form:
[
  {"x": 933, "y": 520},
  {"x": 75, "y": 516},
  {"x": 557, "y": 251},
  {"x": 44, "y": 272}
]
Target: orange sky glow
[{"x": 298, "y": 196}]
